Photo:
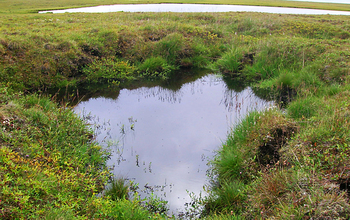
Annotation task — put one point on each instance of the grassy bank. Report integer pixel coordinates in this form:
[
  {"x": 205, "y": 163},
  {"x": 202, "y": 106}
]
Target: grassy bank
[
  {"x": 50, "y": 168},
  {"x": 41, "y": 52},
  {"x": 289, "y": 163}
]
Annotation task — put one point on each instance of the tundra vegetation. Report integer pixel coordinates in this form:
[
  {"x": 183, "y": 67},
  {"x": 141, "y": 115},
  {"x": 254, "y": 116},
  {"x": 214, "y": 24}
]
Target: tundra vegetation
[
  {"x": 287, "y": 162},
  {"x": 30, "y": 6}
]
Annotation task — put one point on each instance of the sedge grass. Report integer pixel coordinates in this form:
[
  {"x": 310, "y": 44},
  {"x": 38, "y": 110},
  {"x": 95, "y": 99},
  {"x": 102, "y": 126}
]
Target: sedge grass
[{"x": 118, "y": 189}]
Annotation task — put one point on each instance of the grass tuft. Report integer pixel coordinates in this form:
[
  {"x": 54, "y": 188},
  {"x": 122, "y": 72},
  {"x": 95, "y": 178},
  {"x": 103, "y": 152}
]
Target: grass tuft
[{"x": 117, "y": 189}]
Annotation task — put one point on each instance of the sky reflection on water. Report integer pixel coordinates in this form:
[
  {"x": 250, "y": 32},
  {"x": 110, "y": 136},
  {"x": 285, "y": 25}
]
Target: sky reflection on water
[
  {"x": 196, "y": 8},
  {"x": 326, "y": 1},
  {"x": 163, "y": 138}
]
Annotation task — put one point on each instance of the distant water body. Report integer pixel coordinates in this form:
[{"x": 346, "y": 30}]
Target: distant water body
[
  {"x": 198, "y": 8},
  {"x": 326, "y": 1}
]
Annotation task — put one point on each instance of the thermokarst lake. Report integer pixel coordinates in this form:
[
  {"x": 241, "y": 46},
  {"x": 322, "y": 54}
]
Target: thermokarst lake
[
  {"x": 196, "y": 8},
  {"x": 162, "y": 137}
]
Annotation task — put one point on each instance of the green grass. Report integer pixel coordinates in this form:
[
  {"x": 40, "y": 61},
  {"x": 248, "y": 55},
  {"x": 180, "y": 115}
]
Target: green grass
[
  {"x": 231, "y": 61},
  {"x": 108, "y": 71},
  {"x": 47, "y": 159},
  {"x": 117, "y": 189},
  {"x": 80, "y": 49},
  {"x": 32, "y": 6},
  {"x": 156, "y": 67},
  {"x": 51, "y": 169},
  {"x": 288, "y": 163}
]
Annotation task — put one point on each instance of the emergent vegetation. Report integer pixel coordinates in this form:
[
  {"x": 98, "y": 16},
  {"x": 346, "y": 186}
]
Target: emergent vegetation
[{"x": 288, "y": 162}]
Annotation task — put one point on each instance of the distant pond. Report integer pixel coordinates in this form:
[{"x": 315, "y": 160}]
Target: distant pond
[
  {"x": 196, "y": 8},
  {"x": 162, "y": 137}
]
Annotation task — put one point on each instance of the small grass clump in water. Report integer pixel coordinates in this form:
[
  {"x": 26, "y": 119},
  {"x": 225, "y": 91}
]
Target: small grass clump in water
[
  {"x": 117, "y": 189},
  {"x": 156, "y": 205}
]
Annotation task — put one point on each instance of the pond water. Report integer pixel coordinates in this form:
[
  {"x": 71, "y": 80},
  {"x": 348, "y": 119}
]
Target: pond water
[
  {"x": 326, "y": 1},
  {"x": 196, "y": 8},
  {"x": 162, "y": 137}
]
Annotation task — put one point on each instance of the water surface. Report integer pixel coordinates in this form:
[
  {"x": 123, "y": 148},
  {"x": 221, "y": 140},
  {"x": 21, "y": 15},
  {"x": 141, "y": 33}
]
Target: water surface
[
  {"x": 163, "y": 138},
  {"x": 326, "y": 1},
  {"x": 197, "y": 8}
]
